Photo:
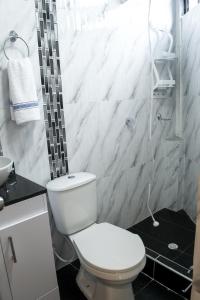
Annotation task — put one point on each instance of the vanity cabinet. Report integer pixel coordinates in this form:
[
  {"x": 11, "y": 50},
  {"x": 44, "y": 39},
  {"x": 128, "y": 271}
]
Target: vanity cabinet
[
  {"x": 27, "y": 270},
  {"x": 5, "y": 292}
]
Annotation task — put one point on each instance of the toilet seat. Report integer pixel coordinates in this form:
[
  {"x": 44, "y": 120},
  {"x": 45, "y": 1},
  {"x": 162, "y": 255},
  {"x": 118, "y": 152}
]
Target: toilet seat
[{"x": 105, "y": 248}]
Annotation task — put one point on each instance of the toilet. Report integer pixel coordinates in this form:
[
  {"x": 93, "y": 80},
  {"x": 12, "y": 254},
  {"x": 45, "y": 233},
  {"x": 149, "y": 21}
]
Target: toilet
[{"x": 110, "y": 257}]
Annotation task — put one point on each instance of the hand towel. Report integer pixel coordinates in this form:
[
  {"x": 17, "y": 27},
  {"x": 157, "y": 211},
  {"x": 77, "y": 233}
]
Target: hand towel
[{"x": 24, "y": 106}]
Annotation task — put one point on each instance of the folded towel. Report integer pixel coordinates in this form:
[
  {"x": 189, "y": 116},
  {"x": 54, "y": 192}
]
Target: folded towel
[{"x": 24, "y": 105}]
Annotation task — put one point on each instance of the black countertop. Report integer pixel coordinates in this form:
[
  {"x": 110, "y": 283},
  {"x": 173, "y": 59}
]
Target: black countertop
[{"x": 19, "y": 189}]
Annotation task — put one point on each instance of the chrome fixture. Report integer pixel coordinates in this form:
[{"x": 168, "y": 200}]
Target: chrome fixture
[
  {"x": 160, "y": 118},
  {"x": 173, "y": 246},
  {"x": 1, "y": 203},
  {"x": 13, "y": 36},
  {"x": 187, "y": 288}
]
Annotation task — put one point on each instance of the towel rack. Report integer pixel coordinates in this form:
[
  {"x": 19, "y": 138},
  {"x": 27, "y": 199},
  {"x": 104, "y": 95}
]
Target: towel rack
[{"x": 13, "y": 36}]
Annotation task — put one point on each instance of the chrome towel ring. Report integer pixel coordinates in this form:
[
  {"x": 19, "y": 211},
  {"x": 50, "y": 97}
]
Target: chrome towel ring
[{"x": 13, "y": 36}]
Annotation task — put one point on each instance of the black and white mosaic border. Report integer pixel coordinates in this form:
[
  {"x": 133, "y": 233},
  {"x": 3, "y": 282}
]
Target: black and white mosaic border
[{"x": 49, "y": 60}]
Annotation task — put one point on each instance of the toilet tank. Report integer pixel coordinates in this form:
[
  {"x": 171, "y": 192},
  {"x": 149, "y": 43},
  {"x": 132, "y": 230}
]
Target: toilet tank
[{"x": 73, "y": 201}]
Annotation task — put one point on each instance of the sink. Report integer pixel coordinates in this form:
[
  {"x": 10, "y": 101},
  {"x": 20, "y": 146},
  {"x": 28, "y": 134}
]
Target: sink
[{"x": 5, "y": 169}]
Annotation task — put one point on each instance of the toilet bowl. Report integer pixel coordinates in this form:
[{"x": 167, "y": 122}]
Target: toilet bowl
[{"x": 111, "y": 257}]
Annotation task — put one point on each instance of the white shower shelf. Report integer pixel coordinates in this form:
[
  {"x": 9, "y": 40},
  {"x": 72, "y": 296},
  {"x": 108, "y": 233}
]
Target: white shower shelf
[
  {"x": 163, "y": 84},
  {"x": 165, "y": 56},
  {"x": 168, "y": 82}
]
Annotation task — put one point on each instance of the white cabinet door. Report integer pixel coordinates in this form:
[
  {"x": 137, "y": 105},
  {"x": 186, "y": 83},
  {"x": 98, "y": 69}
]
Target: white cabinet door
[
  {"x": 29, "y": 258},
  {"x": 5, "y": 292}
]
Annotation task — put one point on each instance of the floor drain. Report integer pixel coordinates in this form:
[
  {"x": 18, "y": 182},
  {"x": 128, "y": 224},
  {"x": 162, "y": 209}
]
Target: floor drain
[{"x": 173, "y": 246}]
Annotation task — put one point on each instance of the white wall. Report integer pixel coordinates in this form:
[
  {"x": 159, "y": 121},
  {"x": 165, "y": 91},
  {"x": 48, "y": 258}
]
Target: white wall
[
  {"x": 105, "y": 62},
  {"x": 25, "y": 144},
  {"x": 191, "y": 105}
]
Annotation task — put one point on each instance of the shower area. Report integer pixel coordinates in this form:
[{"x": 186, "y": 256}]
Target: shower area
[{"x": 130, "y": 72}]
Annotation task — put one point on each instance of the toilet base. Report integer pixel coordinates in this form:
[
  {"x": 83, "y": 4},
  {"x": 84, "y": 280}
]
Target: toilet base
[{"x": 97, "y": 289}]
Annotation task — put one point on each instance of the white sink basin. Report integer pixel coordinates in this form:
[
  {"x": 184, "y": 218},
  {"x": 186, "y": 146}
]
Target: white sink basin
[{"x": 5, "y": 169}]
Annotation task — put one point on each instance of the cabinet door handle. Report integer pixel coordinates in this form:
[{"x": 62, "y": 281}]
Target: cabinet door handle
[{"x": 12, "y": 249}]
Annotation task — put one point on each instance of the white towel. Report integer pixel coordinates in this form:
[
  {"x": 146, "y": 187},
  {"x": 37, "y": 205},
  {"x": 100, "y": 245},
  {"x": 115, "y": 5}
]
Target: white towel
[{"x": 24, "y": 106}]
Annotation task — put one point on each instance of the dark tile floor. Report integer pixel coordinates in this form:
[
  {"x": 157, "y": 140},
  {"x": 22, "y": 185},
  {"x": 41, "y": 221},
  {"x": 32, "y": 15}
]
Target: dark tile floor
[
  {"x": 175, "y": 227},
  {"x": 144, "y": 287}
]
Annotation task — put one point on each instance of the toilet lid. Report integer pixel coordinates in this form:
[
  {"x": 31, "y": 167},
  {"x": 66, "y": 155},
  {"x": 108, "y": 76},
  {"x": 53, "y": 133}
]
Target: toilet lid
[{"x": 109, "y": 247}]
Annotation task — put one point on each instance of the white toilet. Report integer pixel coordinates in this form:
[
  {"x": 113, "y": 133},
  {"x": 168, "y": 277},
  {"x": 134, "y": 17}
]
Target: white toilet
[{"x": 111, "y": 257}]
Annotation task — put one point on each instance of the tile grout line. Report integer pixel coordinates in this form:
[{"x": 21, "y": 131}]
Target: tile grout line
[
  {"x": 169, "y": 289},
  {"x": 174, "y": 271},
  {"x": 155, "y": 260},
  {"x": 166, "y": 258},
  {"x": 144, "y": 287}
]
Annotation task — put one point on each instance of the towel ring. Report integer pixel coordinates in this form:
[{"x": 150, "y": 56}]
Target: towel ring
[{"x": 13, "y": 36}]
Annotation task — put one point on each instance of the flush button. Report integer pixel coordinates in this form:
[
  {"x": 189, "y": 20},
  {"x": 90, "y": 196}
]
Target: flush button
[{"x": 70, "y": 176}]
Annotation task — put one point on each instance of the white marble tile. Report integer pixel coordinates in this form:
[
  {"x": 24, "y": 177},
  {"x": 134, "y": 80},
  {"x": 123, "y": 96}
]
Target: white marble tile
[
  {"x": 106, "y": 83},
  {"x": 181, "y": 184},
  {"x": 191, "y": 179},
  {"x": 161, "y": 130},
  {"x": 192, "y": 127},
  {"x": 122, "y": 199},
  {"x": 112, "y": 196},
  {"x": 106, "y": 87},
  {"x": 191, "y": 106},
  {"x": 123, "y": 127},
  {"x": 165, "y": 175},
  {"x": 106, "y": 137},
  {"x": 25, "y": 144},
  {"x": 82, "y": 130},
  {"x": 138, "y": 179},
  {"x": 190, "y": 52},
  {"x": 111, "y": 62}
]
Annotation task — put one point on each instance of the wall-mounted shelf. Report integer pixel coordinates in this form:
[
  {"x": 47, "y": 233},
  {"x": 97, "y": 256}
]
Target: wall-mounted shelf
[{"x": 165, "y": 58}]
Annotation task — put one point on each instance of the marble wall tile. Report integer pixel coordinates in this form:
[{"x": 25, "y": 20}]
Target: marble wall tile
[
  {"x": 191, "y": 179},
  {"x": 191, "y": 106},
  {"x": 111, "y": 62},
  {"x": 166, "y": 176},
  {"x": 105, "y": 63},
  {"x": 190, "y": 52},
  {"x": 138, "y": 179},
  {"x": 122, "y": 130},
  {"x": 112, "y": 195},
  {"x": 192, "y": 126},
  {"x": 82, "y": 130},
  {"x": 25, "y": 144},
  {"x": 161, "y": 130},
  {"x": 181, "y": 183},
  {"x": 106, "y": 137},
  {"x": 122, "y": 197}
]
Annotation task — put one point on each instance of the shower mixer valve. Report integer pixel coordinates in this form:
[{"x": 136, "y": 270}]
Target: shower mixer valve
[{"x": 160, "y": 118}]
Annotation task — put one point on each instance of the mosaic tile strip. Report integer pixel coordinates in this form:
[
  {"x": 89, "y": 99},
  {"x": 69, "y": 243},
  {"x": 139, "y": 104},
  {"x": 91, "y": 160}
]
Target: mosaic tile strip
[{"x": 49, "y": 60}]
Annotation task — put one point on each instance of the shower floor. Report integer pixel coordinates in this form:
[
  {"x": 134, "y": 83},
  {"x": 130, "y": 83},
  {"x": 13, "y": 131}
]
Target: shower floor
[{"x": 163, "y": 264}]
